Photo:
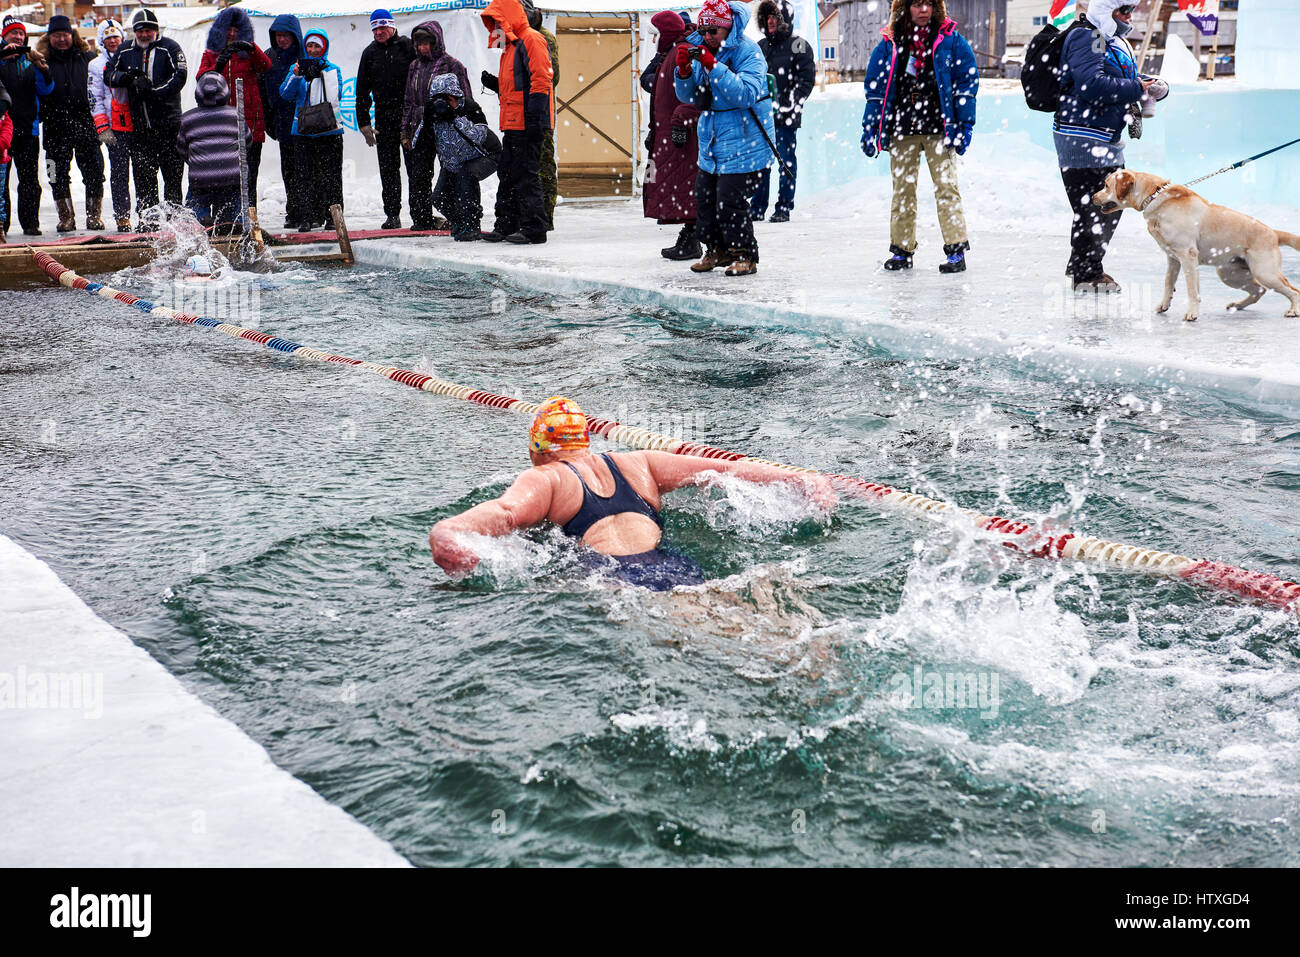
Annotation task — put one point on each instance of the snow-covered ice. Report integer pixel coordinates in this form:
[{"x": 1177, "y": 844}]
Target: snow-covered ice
[{"x": 134, "y": 770}]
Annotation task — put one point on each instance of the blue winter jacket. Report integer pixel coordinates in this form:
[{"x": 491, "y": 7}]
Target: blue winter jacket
[
  {"x": 955, "y": 72},
  {"x": 280, "y": 110},
  {"x": 1098, "y": 82},
  {"x": 328, "y": 89},
  {"x": 731, "y": 141}
]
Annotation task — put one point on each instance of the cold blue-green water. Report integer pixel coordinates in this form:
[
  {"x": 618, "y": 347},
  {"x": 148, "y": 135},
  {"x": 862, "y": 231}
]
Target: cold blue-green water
[{"x": 259, "y": 524}]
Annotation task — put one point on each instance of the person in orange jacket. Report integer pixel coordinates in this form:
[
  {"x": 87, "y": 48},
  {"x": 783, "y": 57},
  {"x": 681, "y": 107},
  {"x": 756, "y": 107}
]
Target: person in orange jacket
[{"x": 524, "y": 86}]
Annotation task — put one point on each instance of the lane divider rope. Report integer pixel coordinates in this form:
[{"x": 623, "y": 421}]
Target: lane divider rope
[{"x": 1022, "y": 536}]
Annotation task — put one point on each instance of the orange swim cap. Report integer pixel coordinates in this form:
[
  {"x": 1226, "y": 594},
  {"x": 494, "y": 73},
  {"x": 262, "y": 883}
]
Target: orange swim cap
[{"x": 558, "y": 426}]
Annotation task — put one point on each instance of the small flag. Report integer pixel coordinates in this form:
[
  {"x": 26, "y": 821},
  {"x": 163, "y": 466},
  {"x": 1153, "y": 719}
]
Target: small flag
[
  {"x": 1203, "y": 14},
  {"x": 1062, "y": 13}
]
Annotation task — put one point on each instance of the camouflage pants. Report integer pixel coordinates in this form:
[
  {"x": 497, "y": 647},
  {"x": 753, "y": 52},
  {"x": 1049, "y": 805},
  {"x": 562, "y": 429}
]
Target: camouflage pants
[
  {"x": 905, "y": 164},
  {"x": 550, "y": 175}
]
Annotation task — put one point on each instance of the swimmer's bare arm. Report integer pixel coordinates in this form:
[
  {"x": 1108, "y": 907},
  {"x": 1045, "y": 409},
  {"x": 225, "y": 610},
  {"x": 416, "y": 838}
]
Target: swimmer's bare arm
[
  {"x": 524, "y": 503},
  {"x": 671, "y": 471}
]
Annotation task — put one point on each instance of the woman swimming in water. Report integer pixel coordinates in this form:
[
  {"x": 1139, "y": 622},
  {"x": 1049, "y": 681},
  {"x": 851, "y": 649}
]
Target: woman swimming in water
[{"x": 609, "y": 502}]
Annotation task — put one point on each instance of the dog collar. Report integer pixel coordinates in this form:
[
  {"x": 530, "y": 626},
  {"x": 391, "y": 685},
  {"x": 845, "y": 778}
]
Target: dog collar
[{"x": 1152, "y": 198}]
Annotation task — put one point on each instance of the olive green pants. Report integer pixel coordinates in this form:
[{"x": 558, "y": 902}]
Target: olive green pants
[{"x": 905, "y": 164}]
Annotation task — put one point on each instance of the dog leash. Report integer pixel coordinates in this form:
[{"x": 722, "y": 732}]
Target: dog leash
[{"x": 1226, "y": 169}]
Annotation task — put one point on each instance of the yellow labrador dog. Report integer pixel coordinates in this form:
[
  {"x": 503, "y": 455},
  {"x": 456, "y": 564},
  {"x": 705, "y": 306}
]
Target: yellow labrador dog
[{"x": 1193, "y": 232}]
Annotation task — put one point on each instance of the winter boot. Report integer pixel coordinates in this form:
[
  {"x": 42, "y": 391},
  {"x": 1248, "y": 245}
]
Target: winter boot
[
  {"x": 712, "y": 260},
  {"x": 780, "y": 216},
  {"x": 493, "y": 237},
  {"x": 93, "y": 206},
  {"x": 392, "y": 222},
  {"x": 687, "y": 247},
  {"x": 67, "y": 216},
  {"x": 744, "y": 263},
  {"x": 1102, "y": 284},
  {"x": 956, "y": 258},
  {"x": 124, "y": 223},
  {"x": 901, "y": 259}
]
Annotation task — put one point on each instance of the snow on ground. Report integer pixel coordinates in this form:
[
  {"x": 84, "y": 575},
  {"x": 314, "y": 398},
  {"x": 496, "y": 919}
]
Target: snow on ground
[
  {"x": 133, "y": 770},
  {"x": 822, "y": 270}
]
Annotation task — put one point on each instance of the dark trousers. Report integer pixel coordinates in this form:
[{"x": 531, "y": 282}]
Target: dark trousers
[
  {"x": 119, "y": 174},
  {"x": 722, "y": 210},
  {"x": 388, "y": 143},
  {"x": 293, "y": 192},
  {"x": 220, "y": 205},
  {"x": 520, "y": 208},
  {"x": 59, "y": 151},
  {"x": 320, "y": 175},
  {"x": 419, "y": 171},
  {"x": 24, "y": 165},
  {"x": 152, "y": 151},
  {"x": 458, "y": 197},
  {"x": 785, "y": 143},
  {"x": 254, "y": 154},
  {"x": 1092, "y": 229}
]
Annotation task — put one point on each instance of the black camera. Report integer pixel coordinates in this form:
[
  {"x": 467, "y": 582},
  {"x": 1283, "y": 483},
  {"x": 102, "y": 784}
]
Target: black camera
[
  {"x": 695, "y": 53},
  {"x": 310, "y": 69},
  {"x": 441, "y": 107}
]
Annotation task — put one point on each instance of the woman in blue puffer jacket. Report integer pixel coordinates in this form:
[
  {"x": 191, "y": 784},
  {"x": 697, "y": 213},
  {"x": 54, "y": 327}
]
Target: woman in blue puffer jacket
[
  {"x": 724, "y": 73},
  {"x": 921, "y": 86}
]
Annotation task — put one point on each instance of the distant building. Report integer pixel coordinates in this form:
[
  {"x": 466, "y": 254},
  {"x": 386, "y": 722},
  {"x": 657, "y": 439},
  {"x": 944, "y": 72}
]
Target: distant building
[
  {"x": 829, "y": 31},
  {"x": 982, "y": 22}
]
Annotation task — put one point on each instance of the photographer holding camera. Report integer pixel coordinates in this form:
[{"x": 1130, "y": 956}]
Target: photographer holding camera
[
  {"x": 315, "y": 87},
  {"x": 726, "y": 77},
  {"x": 455, "y": 129}
]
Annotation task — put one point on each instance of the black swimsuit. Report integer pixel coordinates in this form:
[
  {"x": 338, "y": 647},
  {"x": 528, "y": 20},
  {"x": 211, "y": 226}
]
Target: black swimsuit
[
  {"x": 624, "y": 498},
  {"x": 657, "y": 569}
]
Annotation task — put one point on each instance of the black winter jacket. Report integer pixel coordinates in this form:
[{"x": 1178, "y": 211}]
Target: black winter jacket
[
  {"x": 163, "y": 62},
  {"x": 381, "y": 78},
  {"x": 65, "y": 110},
  {"x": 790, "y": 60},
  {"x": 18, "y": 74}
]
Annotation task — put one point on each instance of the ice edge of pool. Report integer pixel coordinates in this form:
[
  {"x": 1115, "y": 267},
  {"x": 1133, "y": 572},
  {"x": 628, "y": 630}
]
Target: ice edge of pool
[
  {"x": 130, "y": 768},
  {"x": 899, "y": 337}
]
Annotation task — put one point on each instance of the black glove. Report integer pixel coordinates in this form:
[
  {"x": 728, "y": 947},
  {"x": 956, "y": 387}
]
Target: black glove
[
  {"x": 241, "y": 46},
  {"x": 533, "y": 131},
  {"x": 310, "y": 69},
  {"x": 141, "y": 84},
  {"x": 222, "y": 59},
  {"x": 681, "y": 136},
  {"x": 490, "y": 82}
]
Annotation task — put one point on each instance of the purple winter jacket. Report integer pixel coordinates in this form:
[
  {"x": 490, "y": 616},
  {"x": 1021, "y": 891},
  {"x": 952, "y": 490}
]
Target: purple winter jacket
[{"x": 421, "y": 74}]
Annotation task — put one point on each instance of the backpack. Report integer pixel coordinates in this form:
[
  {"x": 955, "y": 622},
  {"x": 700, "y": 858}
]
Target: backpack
[{"x": 1041, "y": 75}]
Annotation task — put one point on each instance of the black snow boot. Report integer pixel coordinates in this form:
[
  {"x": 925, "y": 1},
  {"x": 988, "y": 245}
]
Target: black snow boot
[
  {"x": 956, "y": 258},
  {"x": 688, "y": 247},
  {"x": 901, "y": 259}
]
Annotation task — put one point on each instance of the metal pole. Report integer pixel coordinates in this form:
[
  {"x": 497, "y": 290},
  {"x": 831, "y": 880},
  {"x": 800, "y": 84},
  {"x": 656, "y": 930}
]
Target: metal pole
[
  {"x": 1153, "y": 21},
  {"x": 243, "y": 155}
]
